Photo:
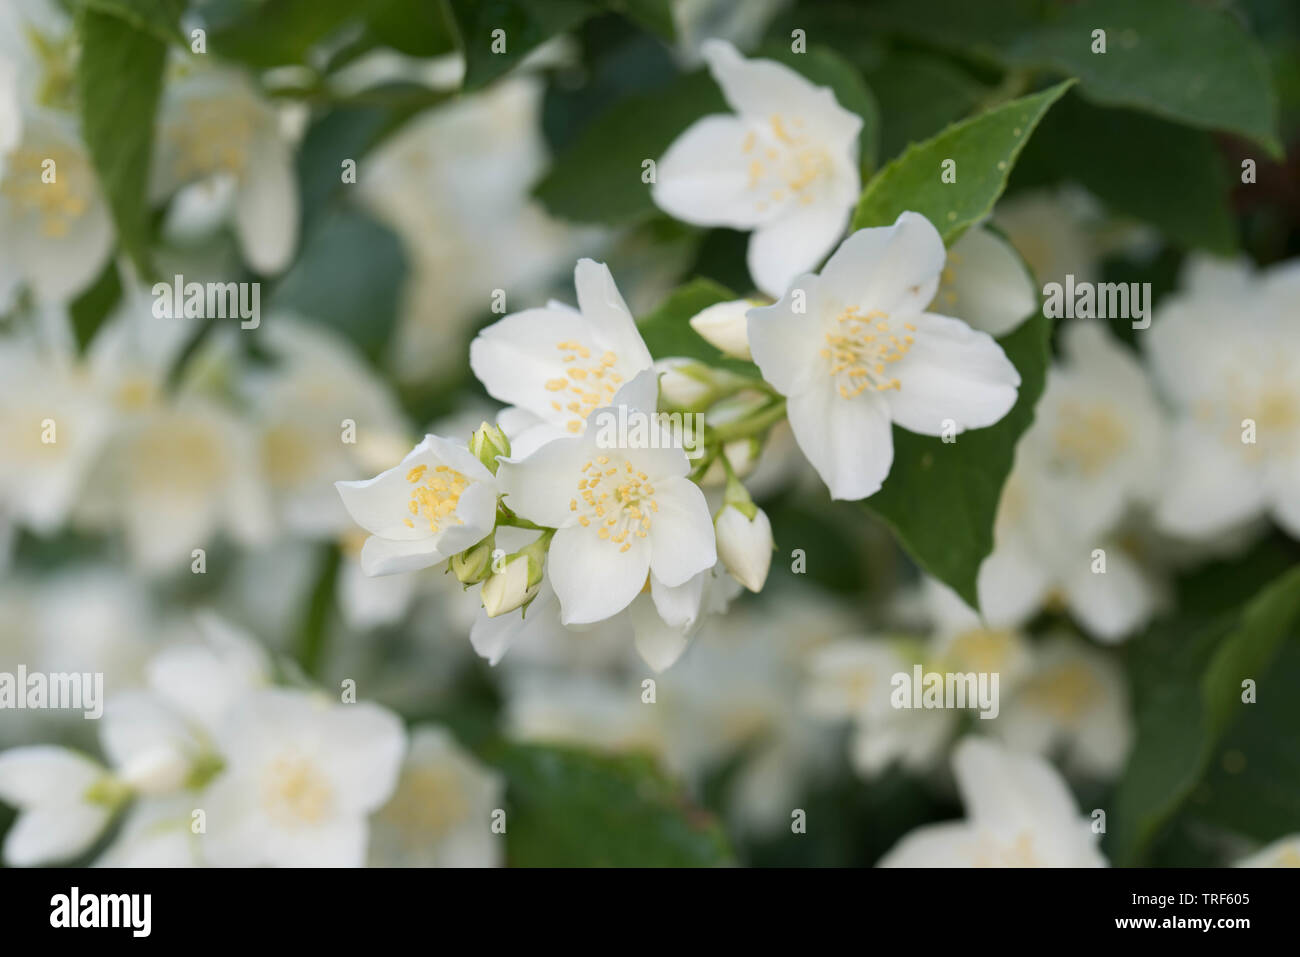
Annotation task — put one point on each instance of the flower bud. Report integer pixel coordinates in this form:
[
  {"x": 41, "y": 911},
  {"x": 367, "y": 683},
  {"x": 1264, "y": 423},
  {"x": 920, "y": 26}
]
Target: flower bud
[
  {"x": 475, "y": 563},
  {"x": 509, "y": 588},
  {"x": 743, "y": 456},
  {"x": 516, "y": 584},
  {"x": 488, "y": 442},
  {"x": 156, "y": 771},
  {"x": 725, "y": 327},
  {"x": 745, "y": 544},
  {"x": 684, "y": 383}
]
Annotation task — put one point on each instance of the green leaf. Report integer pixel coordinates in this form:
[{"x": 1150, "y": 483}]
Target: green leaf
[
  {"x": 526, "y": 25},
  {"x": 572, "y": 808},
  {"x": 984, "y": 149},
  {"x": 348, "y": 277},
  {"x": 1187, "y": 62},
  {"x": 275, "y": 32},
  {"x": 597, "y": 179},
  {"x": 159, "y": 17},
  {"x": 1168, "y": 175},
  {"x": 419, "y": 28},
  {"x": 667, "y": 330},
  {"x": 941, "y": 499},
  {"x": 1189, "y": 695},
  {"x": 119, "y": 83}
]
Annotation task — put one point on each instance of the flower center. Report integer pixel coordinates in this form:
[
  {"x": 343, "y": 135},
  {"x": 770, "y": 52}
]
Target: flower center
[
  {"x": 429, "y": 803},
  {"x": 617, "y": 501},
  {"x": 860, "y": 349},
  {"x": 586, "y": 385},
  {"x": 56, "y": 203},
  {"x": 435, "y": 495},
  {"x": 213, "y": 135},
  {"x": 1017, "y": 853},
  {"x": 294, "y": 791},
  {"x": 787, "y": 165},
  {"x": 1066, "y": 692},
  {"x": 1088, "y": 438}
]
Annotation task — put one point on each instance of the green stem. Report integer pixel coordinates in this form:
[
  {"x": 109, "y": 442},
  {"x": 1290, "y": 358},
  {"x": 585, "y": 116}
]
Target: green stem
[{"x": 755, "y": 424}]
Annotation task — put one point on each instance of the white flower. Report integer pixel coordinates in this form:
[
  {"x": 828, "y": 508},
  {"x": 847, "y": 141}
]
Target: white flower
[
  {"x": 558, "y": 364},
  {"x": 1074, "y": 701},
  {"x": 1092, "y": 454},
  {"x": 855, "y": 352},
  {"x": 64, "y": 801},
  {"x": 438, "y": 501},
  {"x": 440, "y": 815},
  {"x": 986, "y": 284},
  {"x": 322, "y": 415},
  {"x": 55, "y": 231},
  {"x": 1019, "y": 814},
  {"x": 221, "y": 144},
  {"x": 622, "y": 515},
  {"x": 725, "y": 326},
  {"x": 301, "y": 777},
  {"x": 785, "y": 166},
  {"x": 176, "y": 474},
  {"x": 1227, "y": 356},
  {"x": 1284, "y": 852},
  {"x": 851, "y": 678},
  {"x": 582, "y": 709},
  {"x": 156, "y": 832},
  {"x": 745, "y": 545},
  {"x": 53, "y": 423},
  {"x": 455, "y": 184}
]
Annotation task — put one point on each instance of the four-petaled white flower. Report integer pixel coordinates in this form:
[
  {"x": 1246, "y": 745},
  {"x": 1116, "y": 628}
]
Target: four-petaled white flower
[
  {"x": 1019, "y": 814},
  {"x": 854, "y": 351},
  {"x": 222, "y": 151},
  {"x": 437, "y": 501},
  {"x": 622, "y": 514},
  {"x": 301, "y": 777},
  {"x": 1227, "y": 355},
  {"x": 558, "y": 364},
  {"x": 785, "y": 166}
]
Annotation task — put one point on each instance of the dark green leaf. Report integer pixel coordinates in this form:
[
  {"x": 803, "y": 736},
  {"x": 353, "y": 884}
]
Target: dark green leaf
[
  {"x": 1188, "y": 697},
  {"x": 571, "y": 808},
  {"x": 119, "y": 83},
  {"x": 984, "y": 148}
]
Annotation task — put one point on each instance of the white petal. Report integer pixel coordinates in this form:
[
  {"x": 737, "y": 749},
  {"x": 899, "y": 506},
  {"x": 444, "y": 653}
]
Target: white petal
[
  {"x": 1113, "y": 604},
  {"x": 785, "y": 343},
  {"x": 848, "y": 441},
  {"x": 50, "y": 834},
  {"x": 1004, "y": 791},
  {"x": 703, "y": 178},
  {"x": 894, "y": 269},
  {"x": 952, "y": 372},
  {"x": 366, "y": 747},
  {"x": 985, "y": 284},
  {"x": 934, "y": 845},
  {"x": 681, "y": 537},
  {"x": 266, "y": 207},
  {"x": 658, "y": 643},
  {"x": 1012, "y": 585},
  {"x": 593, "y": 579},
  {"x": 45, "y": 774},
  {"x": 602, "y": 305},
  {"x": 796, "y": 242},
  {"x": 539, "y": 487},
  {"x": 1207, "y": 488},
  {"x": 678, "y": 606}
]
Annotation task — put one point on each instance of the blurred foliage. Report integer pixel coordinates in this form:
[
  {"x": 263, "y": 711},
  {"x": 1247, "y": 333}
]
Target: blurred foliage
[{"x": 1156, "y": 129}]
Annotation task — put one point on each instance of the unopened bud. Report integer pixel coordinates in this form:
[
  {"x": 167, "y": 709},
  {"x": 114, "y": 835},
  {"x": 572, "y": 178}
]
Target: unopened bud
[
  {"x": 475, "y": 563},
  {"x": 488, "y": 442},
  {"x": 725, "y": 326},
  {"x": 745, "y": 544}
]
